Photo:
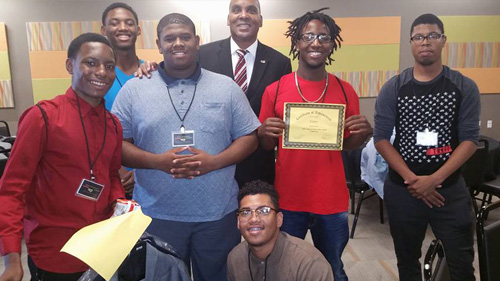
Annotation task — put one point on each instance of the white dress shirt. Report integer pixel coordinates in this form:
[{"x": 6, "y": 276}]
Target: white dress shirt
[{"x": 249, "y": 58}]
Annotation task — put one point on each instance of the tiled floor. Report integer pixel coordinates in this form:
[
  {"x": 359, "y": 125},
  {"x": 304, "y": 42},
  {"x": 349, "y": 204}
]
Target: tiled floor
[{"x": 370, "y": 255}]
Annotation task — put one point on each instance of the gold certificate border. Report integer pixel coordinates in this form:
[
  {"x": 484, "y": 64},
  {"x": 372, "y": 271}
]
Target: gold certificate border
[{"x": 308, "y": 145}]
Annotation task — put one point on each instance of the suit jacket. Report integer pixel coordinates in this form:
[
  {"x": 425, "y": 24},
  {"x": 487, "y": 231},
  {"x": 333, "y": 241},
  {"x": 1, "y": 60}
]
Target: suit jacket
[{"x": 269, "y": 66}]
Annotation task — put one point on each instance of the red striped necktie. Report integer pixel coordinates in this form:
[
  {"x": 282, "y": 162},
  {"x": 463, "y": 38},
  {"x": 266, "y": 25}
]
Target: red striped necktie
[{"x": 240, "y": 73}]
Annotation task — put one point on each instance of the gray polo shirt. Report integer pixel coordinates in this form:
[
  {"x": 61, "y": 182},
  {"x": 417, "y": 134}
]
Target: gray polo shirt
[{"x": 219, "y": 114}]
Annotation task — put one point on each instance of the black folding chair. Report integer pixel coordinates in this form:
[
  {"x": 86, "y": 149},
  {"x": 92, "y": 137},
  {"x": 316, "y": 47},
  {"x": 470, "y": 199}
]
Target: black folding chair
[
  {"x": 436, "y": 269},
  {"x": 473, "y": 172},
  {"x": 4, "y": 129},
  {"x": 488, "y": 244},
  {"x": 352, "y": 162},
  {"x": 489, "y": 189},
  {"x": 5, "y": 148},
  {"x": 3, "y": 163}
]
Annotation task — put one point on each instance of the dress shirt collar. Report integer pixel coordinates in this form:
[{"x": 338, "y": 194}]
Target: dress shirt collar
[
  {"x": 85, "y": 107},
  {"x": 170, "y": 79},
  {"x": 252, "y": 49}
]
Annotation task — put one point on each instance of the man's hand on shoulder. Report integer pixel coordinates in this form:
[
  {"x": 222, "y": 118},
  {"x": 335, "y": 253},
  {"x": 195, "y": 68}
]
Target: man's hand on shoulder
[
  {"x": 146, "y": 68},
  {"x": 13, "y": 268}
]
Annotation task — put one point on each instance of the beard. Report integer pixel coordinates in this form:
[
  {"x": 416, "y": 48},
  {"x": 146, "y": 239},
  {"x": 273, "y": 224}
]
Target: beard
[{"x": 426, "y": 61}]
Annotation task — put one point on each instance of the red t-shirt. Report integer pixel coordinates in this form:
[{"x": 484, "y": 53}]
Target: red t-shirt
[
  {"x": 37, "y": 190},
  {"x": 309, "y": 180}
]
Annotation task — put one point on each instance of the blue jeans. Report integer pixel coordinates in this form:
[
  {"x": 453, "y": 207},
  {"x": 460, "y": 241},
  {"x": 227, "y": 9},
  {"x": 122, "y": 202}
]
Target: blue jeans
[
  {"x": 330, "y": 234},
  {"x": 204, "y": 245}
]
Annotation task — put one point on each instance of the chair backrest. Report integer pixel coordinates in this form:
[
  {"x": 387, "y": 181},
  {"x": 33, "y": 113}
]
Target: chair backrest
[
  {"x": 3, "y": 163},
  {"x": 4, "y": 129},
  {"x": 474, "y": 169},
  {"x": 352, "y": 167},
  {"x": 488, "y": 244},
  {"x": 436, "y": 269}
]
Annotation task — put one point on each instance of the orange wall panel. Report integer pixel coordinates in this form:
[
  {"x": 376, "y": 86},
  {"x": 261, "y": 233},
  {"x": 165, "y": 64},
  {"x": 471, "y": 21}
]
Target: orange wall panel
[
  {"x": 355, "y": 31},
  {"x": 485, "y": 78},
  {"x": 48, "y": 64}
]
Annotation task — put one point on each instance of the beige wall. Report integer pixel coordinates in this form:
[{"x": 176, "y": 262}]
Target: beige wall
[{"x": 15, "y": 13}]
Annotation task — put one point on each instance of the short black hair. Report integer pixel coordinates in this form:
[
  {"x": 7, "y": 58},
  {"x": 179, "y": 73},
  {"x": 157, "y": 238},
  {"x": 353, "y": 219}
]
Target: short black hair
[
  {"x": 77, "y": 43},
  {"x": 427, "y": 19},
  {"x": 175, "y": 18},
  {"x": 259, "y": 187},
  {"x": 296, "y": 26},
  {"x": 115, "y": 6}
]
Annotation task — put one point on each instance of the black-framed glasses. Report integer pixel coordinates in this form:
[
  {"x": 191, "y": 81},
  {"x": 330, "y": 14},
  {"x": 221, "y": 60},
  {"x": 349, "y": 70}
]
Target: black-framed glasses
[
  {"x": 262, "y": 211},
  {"x": 430, "y": 37},
  {"x": 310, "y": 37}
]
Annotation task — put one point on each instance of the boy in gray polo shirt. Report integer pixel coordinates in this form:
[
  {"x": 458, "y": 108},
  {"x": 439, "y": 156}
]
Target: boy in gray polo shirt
[{"x": 190, "y": 190}]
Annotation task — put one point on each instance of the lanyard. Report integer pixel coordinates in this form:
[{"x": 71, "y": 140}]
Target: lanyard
[
  {"x": 250, "y": 268},
  {"x": 118, "y": 79},
  {"x": 92, "y": 163},
  {"x": 119, "y": 82},
  {"x": 187, "y": 111}
]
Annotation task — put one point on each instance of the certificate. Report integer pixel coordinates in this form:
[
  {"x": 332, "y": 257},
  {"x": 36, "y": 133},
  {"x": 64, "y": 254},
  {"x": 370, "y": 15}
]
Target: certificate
[{"x": 318, "y": 126}]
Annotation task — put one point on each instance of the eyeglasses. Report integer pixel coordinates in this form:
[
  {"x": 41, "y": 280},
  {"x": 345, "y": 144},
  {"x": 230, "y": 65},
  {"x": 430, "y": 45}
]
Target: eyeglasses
[
  {"x": 310, "y": 37},
  {"x": 431, "y": 37},
  {"x": 262, "y": 211}
]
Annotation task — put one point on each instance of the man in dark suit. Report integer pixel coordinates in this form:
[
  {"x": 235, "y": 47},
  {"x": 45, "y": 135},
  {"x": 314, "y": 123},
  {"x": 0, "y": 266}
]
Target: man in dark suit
[{"x": 263, "y": 65}]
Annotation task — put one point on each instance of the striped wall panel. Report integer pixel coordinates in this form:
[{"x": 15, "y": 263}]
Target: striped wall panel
[
  {"x": 6, "y": 94},
  {"x": 472, "y": 54},
  {"x": 48, "y": 43},
  {"x": 369, "y": 55}
]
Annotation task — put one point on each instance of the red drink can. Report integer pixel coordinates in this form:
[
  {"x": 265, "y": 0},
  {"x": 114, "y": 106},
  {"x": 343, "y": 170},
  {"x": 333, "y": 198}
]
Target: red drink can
[{"x": 124, "y": 206}]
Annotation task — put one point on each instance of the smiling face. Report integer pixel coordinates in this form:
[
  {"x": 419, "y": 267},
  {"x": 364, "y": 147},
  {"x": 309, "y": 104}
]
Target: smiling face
[
  {"x": 244, "y": 21},
  {"x": 93, "y": 71},
  {"x": 427, "y": 52},
  {"x": 179, "y": 47},
  {"x": 313, "y": 55},
  {"x": 260, "y": 231},
  {"x": 121, "y": 29}
]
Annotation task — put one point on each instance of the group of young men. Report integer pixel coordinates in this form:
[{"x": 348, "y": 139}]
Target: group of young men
[{"x": 191, "y": 132}]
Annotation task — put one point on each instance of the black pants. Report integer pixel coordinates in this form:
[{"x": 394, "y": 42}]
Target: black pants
[
  {"x": 38, "y": 274},
  {"x": 452, "y": 224}
]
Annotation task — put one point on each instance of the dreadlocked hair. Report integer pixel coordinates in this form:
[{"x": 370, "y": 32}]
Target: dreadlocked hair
[{"x": 296, "y": 26}]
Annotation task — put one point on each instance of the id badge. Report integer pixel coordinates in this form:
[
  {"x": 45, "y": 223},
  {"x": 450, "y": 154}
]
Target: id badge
[
  {"x": 183, "y": 138},
  {"x": 427, "y": 138},
  {"x": 89, "y": 190}
]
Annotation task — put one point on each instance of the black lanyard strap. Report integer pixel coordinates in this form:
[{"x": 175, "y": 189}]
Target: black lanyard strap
[
  {"x": 92, "y": 163},
  {"x": 189, "y": 107},
  {"x": 250, "y": 268}
]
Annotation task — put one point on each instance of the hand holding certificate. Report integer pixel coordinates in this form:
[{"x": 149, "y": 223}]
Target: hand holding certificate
[{"x": 318, "y": 126}]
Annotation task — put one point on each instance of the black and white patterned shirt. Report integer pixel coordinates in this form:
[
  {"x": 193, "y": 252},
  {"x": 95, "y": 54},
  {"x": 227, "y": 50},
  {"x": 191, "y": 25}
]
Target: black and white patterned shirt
[{"x": 448, "y": 105}]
